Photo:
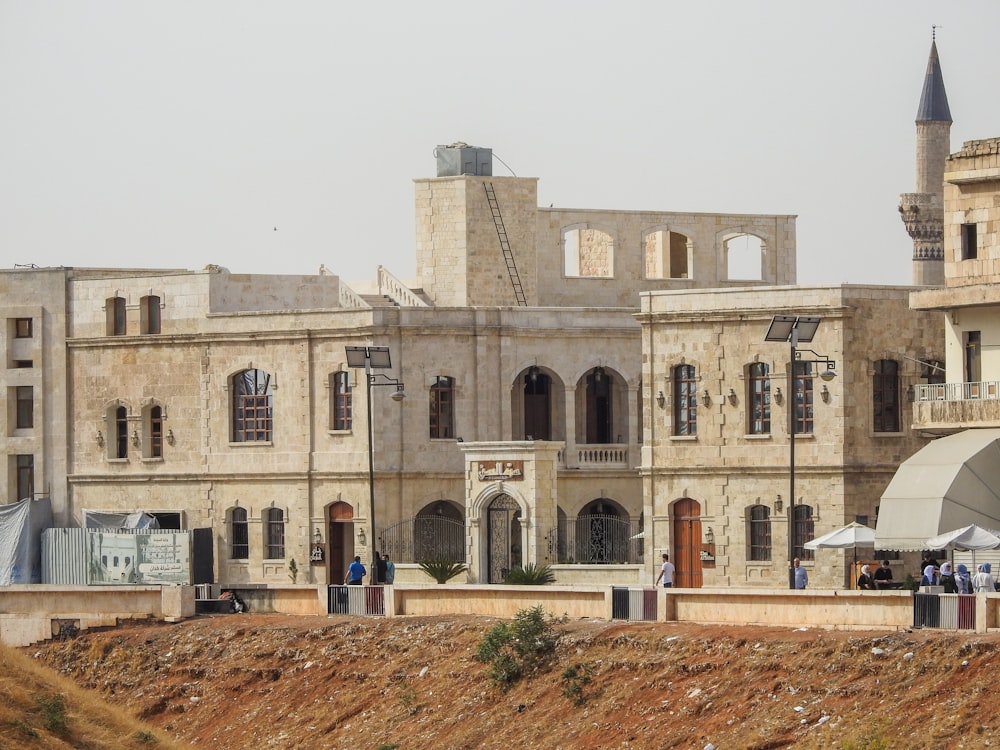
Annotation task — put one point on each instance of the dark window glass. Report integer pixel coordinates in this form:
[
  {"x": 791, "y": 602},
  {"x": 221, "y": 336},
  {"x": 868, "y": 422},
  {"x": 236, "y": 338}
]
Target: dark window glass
[
  {"x": 342, "y": 401},
  {"x": 25, "y": 477},
  {"x": 151, "y": 314},
  {"x": 442, "y": 411},
  {"x": 116, "y": 325},
  {"x": 25, "y": 407},
  {"x": 156, "y": 432},
  {"x": 121, "y": 432},
  {"x": 803, "y": 530},
  {"x": 22, "y": 328},
  {"x": 802, "y": 407},
  {"x": 969, "y": 242},
  {"x": 885, "y": 396},
  {"x": 239, "y": 534}
]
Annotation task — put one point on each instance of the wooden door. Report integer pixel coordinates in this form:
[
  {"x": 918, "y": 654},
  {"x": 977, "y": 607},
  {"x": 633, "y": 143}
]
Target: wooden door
[{"x": 686, "y": 552}]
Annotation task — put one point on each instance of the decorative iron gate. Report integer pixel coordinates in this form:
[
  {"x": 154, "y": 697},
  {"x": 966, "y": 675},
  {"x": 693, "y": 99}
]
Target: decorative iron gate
[
  {"x": 503, "y": 550},
  {"x": 600, "y": 539},
  {"x": 424, "y": 538}
]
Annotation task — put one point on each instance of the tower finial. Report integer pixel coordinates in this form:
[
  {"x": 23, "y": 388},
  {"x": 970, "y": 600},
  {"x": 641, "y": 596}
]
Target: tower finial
[{"x": 934, "y": 28}]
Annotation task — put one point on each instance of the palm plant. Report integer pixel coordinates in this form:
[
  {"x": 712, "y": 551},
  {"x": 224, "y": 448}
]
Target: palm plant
[{"x": 442, "y": 570}]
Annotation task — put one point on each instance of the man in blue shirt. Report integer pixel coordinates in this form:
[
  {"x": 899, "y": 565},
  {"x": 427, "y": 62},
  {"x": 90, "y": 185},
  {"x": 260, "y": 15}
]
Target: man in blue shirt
[
  {"x": 355, "y": 573},
  {"x": 801, "y": 576}
]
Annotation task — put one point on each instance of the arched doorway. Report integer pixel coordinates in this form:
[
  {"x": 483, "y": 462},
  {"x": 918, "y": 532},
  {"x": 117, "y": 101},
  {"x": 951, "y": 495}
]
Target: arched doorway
[
  {"x": 537, "y": 405},
  {"x": 687, "y": 543},
  {"x": 602, "y": 533},
  {"x": 503, "y": 537},
  {"x": 340, "y": 535}
]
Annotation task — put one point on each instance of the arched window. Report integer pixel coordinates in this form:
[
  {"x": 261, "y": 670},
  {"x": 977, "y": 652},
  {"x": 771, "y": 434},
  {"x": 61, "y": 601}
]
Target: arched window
[
  {"x": 155, "y": 432},
  {"x": 685, "y": 401},
  {"x": 759, "y": 399},
  {"x": 115, "y": 316},
  {"x": 252, "y": 406},
  {"x": 442, "y": 407},
  {"x": 274, "y": 534},
  {"x": 760, "y": 532},
  {"x": 885, "y": 396},
  {"x": 588, "y": 252},
  {"x": 667, "y": 255},
  {"x": 342, "y": 401},
  {"x": 239, "y": 534},
  {"x": 149, "y": 312},
  {"x": 803, "y": 532}
]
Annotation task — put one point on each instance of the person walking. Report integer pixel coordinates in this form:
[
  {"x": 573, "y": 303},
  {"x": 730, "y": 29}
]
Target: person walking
[
  {"x": 355, "y": 573},
  {"x": 667, "y": 571},
  {"x": 801, "y": 574}
]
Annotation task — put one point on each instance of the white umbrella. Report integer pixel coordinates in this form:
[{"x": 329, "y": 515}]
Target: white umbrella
[
  {"x": 970, "y": 537},
  {"x": 853, "y": 535}
]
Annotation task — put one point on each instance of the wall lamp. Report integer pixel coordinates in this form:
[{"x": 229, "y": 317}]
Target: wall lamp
[
  {"x": 709, "y": 536},
  {"x": 706, "y": 398},
  {"x": 362, "y": 539},
  {"x": 135, "y": 438},
  {"x": 317, "y": 536},
  {"x": 661, "y": 399},
  {"x": 732, "y": 397},
  {"x": 825, "y": 394},
  {"x": 777, "y": 397},
  {"x": 100, "y": 439},
  {"x": 170, "y": 437}
]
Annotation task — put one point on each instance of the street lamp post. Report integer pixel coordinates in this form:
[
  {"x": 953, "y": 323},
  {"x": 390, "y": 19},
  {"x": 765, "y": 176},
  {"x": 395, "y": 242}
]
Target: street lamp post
[
  {"x": 373, "y": 358},
  {"x": 796, "y": 329}
]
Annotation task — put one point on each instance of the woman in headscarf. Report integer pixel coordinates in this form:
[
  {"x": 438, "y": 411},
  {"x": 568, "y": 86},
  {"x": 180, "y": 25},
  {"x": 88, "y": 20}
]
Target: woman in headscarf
[
  {"x": 865, "y": 580},
  {"x": 948, "y": 579},
  {"x": 962, "y": 579},
  {"x": 929, "y": 577},
  {"x": 982, "y": 581}
]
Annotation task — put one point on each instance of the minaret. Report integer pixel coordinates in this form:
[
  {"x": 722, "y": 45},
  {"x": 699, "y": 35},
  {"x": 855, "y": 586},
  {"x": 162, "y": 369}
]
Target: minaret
[{"x": 923, "y": 211}]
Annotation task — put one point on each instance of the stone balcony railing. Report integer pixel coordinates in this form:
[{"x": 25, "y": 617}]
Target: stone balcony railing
[
  {"x": 611, "y": 456},
  {"x": 950, "y": 407}
]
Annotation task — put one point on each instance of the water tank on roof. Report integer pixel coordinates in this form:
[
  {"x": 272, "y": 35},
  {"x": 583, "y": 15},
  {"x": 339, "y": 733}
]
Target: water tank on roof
[{"x": 461, "y": 158}]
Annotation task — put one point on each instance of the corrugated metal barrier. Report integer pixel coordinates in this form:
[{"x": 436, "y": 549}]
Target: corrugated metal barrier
[
  {"x": 945, "y": 611},
  {"x": 356, "y": 600},
  {"x": 633, "y": 604}
]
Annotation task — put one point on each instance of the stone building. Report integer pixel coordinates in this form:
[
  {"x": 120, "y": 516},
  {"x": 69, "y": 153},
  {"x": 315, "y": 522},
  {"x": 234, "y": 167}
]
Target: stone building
[{"x": 542, "y": 353}]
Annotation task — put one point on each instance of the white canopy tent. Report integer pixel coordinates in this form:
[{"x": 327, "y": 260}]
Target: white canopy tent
[
  {"x": 948, "y": 484},
  {"x": 970, "y": 538}
]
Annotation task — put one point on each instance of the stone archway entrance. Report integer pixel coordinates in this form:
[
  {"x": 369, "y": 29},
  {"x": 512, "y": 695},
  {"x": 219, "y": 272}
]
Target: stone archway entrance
[{"x": 503, "y": 537}]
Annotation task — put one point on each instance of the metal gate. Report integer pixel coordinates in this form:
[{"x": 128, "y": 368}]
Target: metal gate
[{"x": 501, "y": 523}]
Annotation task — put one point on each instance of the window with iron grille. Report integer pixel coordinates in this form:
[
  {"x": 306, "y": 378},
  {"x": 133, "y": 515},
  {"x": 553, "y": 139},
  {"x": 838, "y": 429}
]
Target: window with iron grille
[
  {"x": 25, "y": 407},
  {"x": 803, "y": 532},
  {"x": 885, "y": 396},
  {"x": 239, "y": 535},
  {"x": 802, "y": 408},
  {"x": 252, "y": 406},
  {"x": 442, "y": 407},
  {"x": 685, "y": 401},
  {"x": 156, "y": 432},
  {"x": 25, "y": 477},
  {"x": 343, "y": 398},
  {"x": 759, "y": 384},
  {"x": 274, "y": 534},
  {"x": 760, "y": 533}
]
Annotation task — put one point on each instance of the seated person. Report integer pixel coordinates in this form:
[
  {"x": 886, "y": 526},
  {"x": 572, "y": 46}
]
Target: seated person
[
  {"x": 883, "y": 576},
  {"x": 865, "y": 580}
]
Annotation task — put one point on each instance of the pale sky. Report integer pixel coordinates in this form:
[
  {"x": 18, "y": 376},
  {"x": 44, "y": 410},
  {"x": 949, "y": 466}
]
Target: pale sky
[{"x": 180, "y": 133}]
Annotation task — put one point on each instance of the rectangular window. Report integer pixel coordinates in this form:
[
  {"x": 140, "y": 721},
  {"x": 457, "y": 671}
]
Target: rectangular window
[
  {"x": 150, "y": 314},
  {"x": 156, "y": 432},
  {"x": 116, "y": 316},
  {"x": 240, "y": 535},
  {"x": 22, "y": 328},
  {"x": 342, "y": 401},
  {"x": 442, "y": 412},
  {"x": 804, "y": 531},
  {"x": 274, "y": 530},
  {"x": 885, "y": 396},
  {"x": 25, "y": 477},
  {"x": 969, "y": 242},
  {"x": 685, "y": 401},
  {"x": 25, "y": 407},
  {"x": 802, "y": 408},
  {"x": 253, "y": 406}
]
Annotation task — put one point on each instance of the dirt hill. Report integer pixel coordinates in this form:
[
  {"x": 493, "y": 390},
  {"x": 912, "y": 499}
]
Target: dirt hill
[{"x": 252, "y": 681}]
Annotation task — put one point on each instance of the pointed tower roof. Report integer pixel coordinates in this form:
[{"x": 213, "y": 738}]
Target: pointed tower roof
[{"x": 933, "y": 99}]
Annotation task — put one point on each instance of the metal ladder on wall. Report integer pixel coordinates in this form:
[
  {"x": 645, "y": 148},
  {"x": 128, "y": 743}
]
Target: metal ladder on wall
[{"x": 508, "y": 255}]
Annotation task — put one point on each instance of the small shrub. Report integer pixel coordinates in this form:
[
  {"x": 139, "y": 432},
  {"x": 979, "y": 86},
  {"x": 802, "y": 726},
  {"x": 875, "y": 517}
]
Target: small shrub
[
  {"x": 23, "y": 728},
  {"x": 145, "y": 738},
  {"x": 293, "y": 570},
  {"x": 531, "y": 575},
  {"x": 53, "y": 709},
  {"x": 442, "y": 570},
  {"x": 575, "y": 678},
  {"x": 518, "y": 648}
]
